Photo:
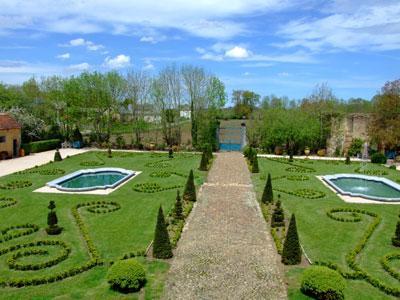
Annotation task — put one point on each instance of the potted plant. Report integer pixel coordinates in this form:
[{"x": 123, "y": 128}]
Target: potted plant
[{"x": 307, "y": 151}]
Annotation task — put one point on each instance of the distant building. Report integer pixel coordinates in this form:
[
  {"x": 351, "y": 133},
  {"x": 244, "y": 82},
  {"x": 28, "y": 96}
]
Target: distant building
[
  {"x": 185, "y": 114},
  {"x": 10, "y": 136}
]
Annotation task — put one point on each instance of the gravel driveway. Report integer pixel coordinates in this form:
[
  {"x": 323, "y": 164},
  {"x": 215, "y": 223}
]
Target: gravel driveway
[{"x": 226, "y": 251}]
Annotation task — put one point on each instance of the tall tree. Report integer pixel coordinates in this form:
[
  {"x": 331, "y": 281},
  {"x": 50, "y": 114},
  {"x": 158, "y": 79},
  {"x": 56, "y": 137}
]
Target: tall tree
[{"x": 385, "y": 122}]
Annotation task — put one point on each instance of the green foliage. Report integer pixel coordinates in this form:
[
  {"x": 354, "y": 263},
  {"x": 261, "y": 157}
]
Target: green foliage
[
  {"x": 178, "y": 211},
  {"x": 372, "y": 172},
  {"x": 355, "y": 147},
  {"x": 378, "y": 158},
  {"x": 396, "y": 238},
  {"x": 45, "y": 145},
  {"x": 291, "y": 253},
  {"x": 161, "y": 243},
  {"x": 7, "y": 202},
  {"x": 126, "y": 276},
  {"x": 120, "y": 141},
  {"x": 278, "y": 217},
  {"x": 323, "y": 283},
  {"x": 347, "y": 161},
  {"x": 170, "y": 153},
  {"x": 268, "y": 195},
  {"x": 57, "y": 156},
  {"x": 189, "y": 193}
]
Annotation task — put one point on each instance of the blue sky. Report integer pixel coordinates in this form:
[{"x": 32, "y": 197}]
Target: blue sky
[{"x": 277, "y": 47}]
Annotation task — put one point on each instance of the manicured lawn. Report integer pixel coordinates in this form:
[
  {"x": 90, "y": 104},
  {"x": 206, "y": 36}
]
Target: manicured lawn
[
  {"x": 125, "y": 230},
  {"x": 328, "y": 240}
]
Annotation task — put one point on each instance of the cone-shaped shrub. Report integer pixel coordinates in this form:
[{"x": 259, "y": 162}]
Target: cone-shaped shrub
[
  {"x": 178, "y": 211},
  {"x": 161, "y": 244},
  {"x": 254, "y": 164},
  {"x": 278, "y": 217},
  {"x": 57, "y": 156},
  {"x": 208, "y": 151},
  {"x": 268, "y": 195},
  {"x": 190, "y": 190},
  {"x": 396, "y": 238},
  {"x": 291, "y": 254},
  {"x": 204, "y": 162},
  {"x": 170, "y": 153},
  {"x": 347, "y": 161}
]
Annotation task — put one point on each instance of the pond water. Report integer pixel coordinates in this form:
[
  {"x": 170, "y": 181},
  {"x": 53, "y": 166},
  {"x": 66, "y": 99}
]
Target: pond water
[
  {"x": 376, "y": 188},
  {"x": 91, "y": 179}
]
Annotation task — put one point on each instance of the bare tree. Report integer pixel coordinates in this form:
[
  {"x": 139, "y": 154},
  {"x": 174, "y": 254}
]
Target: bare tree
[
  {"x": 196, "y": 82},
  {"x": 138, "y": 91}
]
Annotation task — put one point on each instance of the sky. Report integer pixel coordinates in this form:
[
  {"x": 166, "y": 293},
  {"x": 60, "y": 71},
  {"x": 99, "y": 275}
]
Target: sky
[{"x": 276, "y": 47}]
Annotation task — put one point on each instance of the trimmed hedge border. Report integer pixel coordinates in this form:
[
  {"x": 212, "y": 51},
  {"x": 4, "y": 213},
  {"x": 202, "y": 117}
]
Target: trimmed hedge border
[
  {"x": 294, "y": 167},
  {"x": 92, "y": 163},
  {"x": 372, "y": 172},
  {"x": 153, "y": 187},
  {"x": 30, "y": 228},
  {"x": 351, "y": 257},
  {"x": 303, "y": 193},
  {"x": 15, "y": 184},
  {"x": 12, "y": 262},
  {"x": 7, "y": 202},
  {"x": 161, "y": 164},
  {"x": 36, "y": 170},
  {"x": 385, "y": 262}
]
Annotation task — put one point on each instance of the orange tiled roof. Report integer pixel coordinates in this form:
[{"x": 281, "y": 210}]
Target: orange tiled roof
[{"x": 8, "y": 122}]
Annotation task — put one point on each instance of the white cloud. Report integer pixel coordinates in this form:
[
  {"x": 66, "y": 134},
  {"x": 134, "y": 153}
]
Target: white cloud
[
  {"x": 77, "y": 42},
  {"x": 153, "y": 39},
  {"x": 369, "y": 25},
  {"x": 79, "y": 67},
  {"x": 237, "y": 52},
  {"x": 118, "y": 62},
  {"x": 283, "y": 74},
  {"x": 216, "y": 19},
  {"x": 80, "y": 42},
  {"x": 64, "y": 56},
  {"x": 223, "y": 51}
]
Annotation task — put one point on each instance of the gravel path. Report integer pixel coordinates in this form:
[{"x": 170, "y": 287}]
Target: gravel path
[{"x": 225, "y": 251}]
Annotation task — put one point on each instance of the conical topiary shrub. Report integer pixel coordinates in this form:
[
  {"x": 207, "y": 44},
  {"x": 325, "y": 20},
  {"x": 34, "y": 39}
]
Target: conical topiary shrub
[
  {"x": 254, "y": 164},
  {"x": 209, "y": 154},
  {"x": 268, "y": 195},
  {"x": 170, "y": 153},
  {"x": 396, "y": 238},
  {"x": 291, "y": 254},
  {"x": 161, "y": 243},
  {"x": 190, "y": 190},
  {"x": 178, "y": 211},
  {"x": 204, "y": 162},
  {"x": 57, "y": 156},
  {"x": 278, "y": 217},
  {"x": 347, "y": 161}
]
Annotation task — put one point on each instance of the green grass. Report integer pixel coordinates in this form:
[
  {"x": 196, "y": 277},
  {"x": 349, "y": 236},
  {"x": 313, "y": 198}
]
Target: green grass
[
  {"x": 328, "y": 240},
  {"x": 128, "y": 229}
]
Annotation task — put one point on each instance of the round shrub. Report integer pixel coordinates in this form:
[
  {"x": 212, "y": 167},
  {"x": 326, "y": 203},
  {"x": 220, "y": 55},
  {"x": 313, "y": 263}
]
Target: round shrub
[
  {"x": 323, "y": 283},
  {"x": 378, "y": 158},
  {"x": 126, "y": 276}
]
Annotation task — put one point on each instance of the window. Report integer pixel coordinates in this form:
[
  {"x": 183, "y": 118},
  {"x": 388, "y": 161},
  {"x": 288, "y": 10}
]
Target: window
[{"x": 2, "y": 139}]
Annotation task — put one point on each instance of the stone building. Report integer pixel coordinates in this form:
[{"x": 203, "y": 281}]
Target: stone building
[
  {"x": 10, "y": 136},
  {"x": 346, "y": 129}
]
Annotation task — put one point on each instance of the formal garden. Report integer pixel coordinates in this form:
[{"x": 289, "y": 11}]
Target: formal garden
[
  {"x": 357, "y": 240},
  {"x": 78, "y": 245}
]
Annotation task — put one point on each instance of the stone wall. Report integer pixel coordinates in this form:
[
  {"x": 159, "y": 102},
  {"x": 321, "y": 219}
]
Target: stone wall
[
  {"x": 346, "y": 129},
  {"x": 10, "y": 135}
]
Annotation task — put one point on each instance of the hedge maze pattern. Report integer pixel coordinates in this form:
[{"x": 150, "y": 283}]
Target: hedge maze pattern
[
  {"x": 356, "y": 216},
  {"x": 16, "y": 253}
]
